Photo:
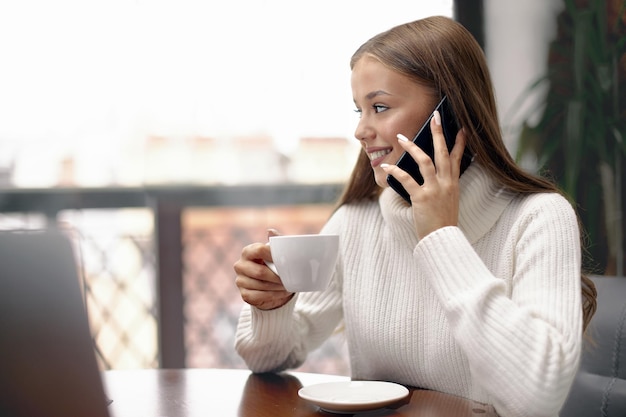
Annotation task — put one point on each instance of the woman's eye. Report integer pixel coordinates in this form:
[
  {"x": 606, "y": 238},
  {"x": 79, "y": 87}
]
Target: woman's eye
[{"x": 379, "y": 108}]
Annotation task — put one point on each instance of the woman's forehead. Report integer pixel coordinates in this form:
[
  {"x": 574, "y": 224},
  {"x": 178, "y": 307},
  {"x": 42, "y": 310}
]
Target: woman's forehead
[{"x": 371, "y": 78}]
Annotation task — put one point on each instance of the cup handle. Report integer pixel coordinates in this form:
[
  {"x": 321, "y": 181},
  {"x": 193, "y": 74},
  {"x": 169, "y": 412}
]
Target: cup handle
[{"x": 271, "y": 266}]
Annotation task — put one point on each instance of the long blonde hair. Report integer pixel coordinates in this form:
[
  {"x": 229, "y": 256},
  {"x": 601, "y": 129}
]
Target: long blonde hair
[{"x": 439, "y": 53}]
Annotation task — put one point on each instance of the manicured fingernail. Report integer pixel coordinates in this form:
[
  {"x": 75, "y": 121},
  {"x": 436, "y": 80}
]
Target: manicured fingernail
[
  {"x": 437, "y": 118},
  {"x": 402, "y": 138},
  {"x": 384, "y": 165}
]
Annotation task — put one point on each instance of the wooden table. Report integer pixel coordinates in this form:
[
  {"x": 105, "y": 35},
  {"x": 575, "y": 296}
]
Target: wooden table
[{"x": 237, "y": 392}]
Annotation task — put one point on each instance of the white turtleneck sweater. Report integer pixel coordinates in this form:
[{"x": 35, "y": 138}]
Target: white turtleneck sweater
[{"x": 488, "y": 310}]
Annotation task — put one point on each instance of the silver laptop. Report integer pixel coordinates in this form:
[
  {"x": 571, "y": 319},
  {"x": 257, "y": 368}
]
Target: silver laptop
[{"x": 47, "y": 358}]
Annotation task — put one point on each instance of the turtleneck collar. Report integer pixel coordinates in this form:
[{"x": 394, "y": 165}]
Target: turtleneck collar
[{"x": 481, "y": 202}]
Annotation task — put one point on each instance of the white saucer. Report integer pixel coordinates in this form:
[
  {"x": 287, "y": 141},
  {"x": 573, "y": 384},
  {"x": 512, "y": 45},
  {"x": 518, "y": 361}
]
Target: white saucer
[{"x": 353, "y": 396}]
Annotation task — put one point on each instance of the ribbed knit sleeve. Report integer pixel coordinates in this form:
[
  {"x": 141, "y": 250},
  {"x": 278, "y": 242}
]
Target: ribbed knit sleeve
[
  {"x": 279, "y": 339},
  {"x": 522, "y": 335}
]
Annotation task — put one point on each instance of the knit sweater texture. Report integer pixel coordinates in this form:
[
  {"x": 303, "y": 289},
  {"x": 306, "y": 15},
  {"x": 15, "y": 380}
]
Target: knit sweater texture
[{"x": 488, "y": 310}]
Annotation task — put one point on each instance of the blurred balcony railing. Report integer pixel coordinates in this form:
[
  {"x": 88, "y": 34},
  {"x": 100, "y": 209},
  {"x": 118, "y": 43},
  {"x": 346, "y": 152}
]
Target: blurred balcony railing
[{"x": 161, "y": 285}]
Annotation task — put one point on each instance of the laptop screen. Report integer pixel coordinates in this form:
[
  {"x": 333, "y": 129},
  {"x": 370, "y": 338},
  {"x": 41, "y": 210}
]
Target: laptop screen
[{"x": 47, "y": 358}]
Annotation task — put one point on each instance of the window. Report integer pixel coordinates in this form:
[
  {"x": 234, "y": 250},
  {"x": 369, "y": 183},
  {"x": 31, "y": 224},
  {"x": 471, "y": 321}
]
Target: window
[{"x": 128, "y": 92}]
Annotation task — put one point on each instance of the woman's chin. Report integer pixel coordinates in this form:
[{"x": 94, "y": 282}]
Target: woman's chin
[{"x": 381, "y": 179}]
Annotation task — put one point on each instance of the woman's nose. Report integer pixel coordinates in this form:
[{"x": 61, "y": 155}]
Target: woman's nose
[{"x": 363, "y": 132}]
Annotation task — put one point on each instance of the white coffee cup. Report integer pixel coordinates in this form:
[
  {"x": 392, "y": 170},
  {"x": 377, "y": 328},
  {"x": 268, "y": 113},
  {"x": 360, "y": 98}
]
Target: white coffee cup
[{"x": 304, "y": 262}]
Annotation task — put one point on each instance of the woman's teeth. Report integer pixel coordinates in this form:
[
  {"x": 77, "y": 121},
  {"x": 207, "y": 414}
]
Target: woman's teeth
[{"x": 378, "y": 154}]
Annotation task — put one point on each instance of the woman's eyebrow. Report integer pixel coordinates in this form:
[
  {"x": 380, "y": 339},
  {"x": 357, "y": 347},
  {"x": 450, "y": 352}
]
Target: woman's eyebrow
[{"x": 376, "y": 93}]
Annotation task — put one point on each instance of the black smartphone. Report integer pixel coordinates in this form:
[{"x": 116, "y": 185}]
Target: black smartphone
[{"x": 424, "y": 139}]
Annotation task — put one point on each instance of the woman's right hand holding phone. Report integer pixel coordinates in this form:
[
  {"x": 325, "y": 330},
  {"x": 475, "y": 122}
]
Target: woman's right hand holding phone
[
  {"x": 435, "y": 203},
  {"x": 258, "y": 285}
]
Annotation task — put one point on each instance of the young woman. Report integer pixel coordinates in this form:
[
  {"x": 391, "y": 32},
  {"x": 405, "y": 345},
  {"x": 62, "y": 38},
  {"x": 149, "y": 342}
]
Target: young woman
[{"x": 475, "y": 288}]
